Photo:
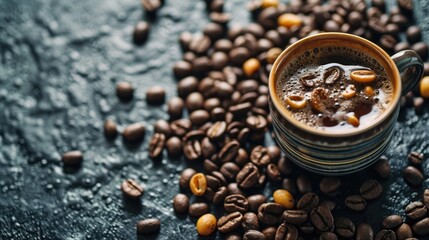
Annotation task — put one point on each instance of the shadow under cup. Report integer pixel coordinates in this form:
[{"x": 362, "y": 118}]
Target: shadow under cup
[{"x": 322, "y": 151}]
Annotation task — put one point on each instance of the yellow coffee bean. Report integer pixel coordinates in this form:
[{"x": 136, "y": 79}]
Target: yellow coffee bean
[
  {"x": 272, "y": 55},
  {"x": 289, "y": 20},
  {"x": 206, "y": 224},
  {"x": 424, "y": 87},
  {"x": 363, "y": 76},
  {"x": 369, "y": 91},
  {"x": 353, "y": 120},
  {"x": 251, "y": 66},
  {"x": 349, "y": 92},
  {"x": 296, "y": 102},
  {"x": 198, "y": 184},
  {"x": 270, "y": 3},
  {"x": 284, "y": 198}
]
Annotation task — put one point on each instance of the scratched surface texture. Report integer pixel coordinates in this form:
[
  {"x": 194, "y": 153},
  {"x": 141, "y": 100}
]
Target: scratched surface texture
[{"x": 59, "y": 62}]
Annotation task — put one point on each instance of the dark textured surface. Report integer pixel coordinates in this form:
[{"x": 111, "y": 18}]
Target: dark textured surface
[{"x": 59, "y": 62}]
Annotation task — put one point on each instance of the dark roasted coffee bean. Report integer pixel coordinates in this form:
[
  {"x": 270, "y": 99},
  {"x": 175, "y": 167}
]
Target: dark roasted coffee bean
[
  {"x": 426, "y": 197},
  {"x": 148, "y": 226},
  {"x": 248, "y": 176},
  {"x": 155, "y": 95},
  {"x": 220, "y": 178},
  {"x": 219, "y": 60},
  {"x": 355, "y": 202},
  {"x": 185, "y": 178},
  {"x": 230, "y": 170},
  {"x": 134, "y": 132},
  {"x": 364, "y": 232},
  {"x": 233, "y": 236},
  {"x": 162, "y": 126},
  {"x": 422, "y": 49},
  {"x": 180, "y": 203},
  {"x": 194, "y": 101},
  {"x": 388, "y": 42},
  {"x": 328, "y": 204},
  {"x": 213, "y": 182},
  {"x": 141, "y": 32},
  {"x": 229, "y": 151},
  {"x": 254, "y": 235},
  {"x": 223, "y": 89},
  {"x": 213, "y": 30},
  {"x": 238, "y": 55},
  {"x": 329, "y": 185},
  {"x": 230, "y": 222},
  {"x": 182, "y": 69},
  {"x": 223, "y": 45},
  {"x": 402, "y": 46},
  {"x": 156, "y": 145},
  {"x": 328, "y": 236},
  {"x": 421, "y": 228},
  {"x": 404, "y": 232},
  {"x": 201, "y": 65},
  {"x": 275, "y": 153},
  {"x": 110, "y": 130},
  {"x": 382, "y": 167},
  {"x": 385, "y": 234},
  {"x": 236, "y": 203},
  {"x": 175, "y": 108},
  {"x": 295, "y": 217},
  {"x": 415, "y": 158},
  {"x": 259, "y": 156},
  {"x": 196, "y": 210},
  {"x": 174, "y": 146},
  {"x": 344, "y": 228},
  {"x": 131, "y": 189},
  {"x": 72, "y": 158},
  {"x": 371, "y": 189},
  {"x": 331, "y": 26},
  {"x": 270, "y": 213},
  {"x": 186, "y": 86},
  {"x": 268, "y": 18},
  {"x": 285, "y": 166},
  {"x": 220, "y": 195},
  {"x": 286, "y": 232},
  {"x": 180, "y": 127},
  {"x": 414, "y": 34},
  {"x": 184, "y": 40},
  {"x": 240, "y": 110},
  {"x": 242, "y": 157},
  {"x": 255, "y": 201},
  {"x": 200, "y": 44},
  {"x": 416, "y": 210},
  {"x": 303, "y": 183},
  {"x": 256, "y": 123},
  {"x": 392, "y": 29},
  {"x": 211, "y": 103},
  {"x": 209, "y": 148},
  {"x": 216, "y": 5},
  {"x": 250, "y": 221},
  {"x": 308, "y": 201},
  {"x": 355, "y": 19},
  {"x": 307, "y": 228},
  {"x": 247, "y": 86},
  {"x": 392, "y": 221},
  {"x": 270, "y": 232},
  {"x": 273, "y": 173},
  {"x": 151, "y": 6},
  {"x": 413, "y": 176},
  {"x": 234, "y": 189},
  {"x": 322, "y": 219},
  {"x": 406, "y": 6},
  {"x": 124, "y": 91},
  {"x": 199, "y": 117},
  {"x": 243, "y": 136}
]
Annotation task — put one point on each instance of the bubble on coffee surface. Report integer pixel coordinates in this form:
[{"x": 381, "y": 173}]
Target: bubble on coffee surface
[{"x": 342, "y": 107}]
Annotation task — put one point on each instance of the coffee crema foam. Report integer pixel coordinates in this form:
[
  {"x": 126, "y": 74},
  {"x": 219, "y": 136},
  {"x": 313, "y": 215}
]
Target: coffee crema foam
[{"x": 347, "y": 59}]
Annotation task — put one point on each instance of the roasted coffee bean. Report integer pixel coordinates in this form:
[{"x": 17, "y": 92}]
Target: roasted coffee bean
[
  {"x": 268, "y": 18},
  {"x": 180, "y": 203},
  {"x": 229, "y": 151},
  {"x": 388, "y": 42},
  {"x": 421, "y": 228},
  {"x": 200, "y": 44},
  {"x": 344, "y": 227},
  {"x": 259, "y": 156},
  {"x": 194, "y": 135},
  {"x": 242, "y": 157},
  {"x": 162, "y": 126},
  {"x": 371, "y": 189},
  {"x": 213, "y": 30},
  {"x": 224, "y": 90},
  {"x": 233, "y": 236},
  {"x": 151, "y": 6},
  {"x": 308, "y": 201},
  {"x": 218, "y": 114},
  {"x": 141, "y": 32},
  {"x": 234, "y": 189},
  {"x": 270, "y": 232},
  {"x": 209, "y": 149},
  {"x": 286, "y": 232},
  {"x": 382, "y": 167},
  {"x": 285, "y": 166},
  {"x": 303, "y": 183},
  {"x": 322, "y": 219},
  {"x": 216, "y": 6},
  {"x": 182, "y": 69},
  {"x": 255, "y": 201},
  {"x": 180, "y": 127},
  {"x": 253, "y": 235},
  {"x": 418, "y": 104},
  {"x": 148, "y": 226},
  {"x": 355, "y": 202},
  {"x": 134, "y": 132},
  {"x": 275, "y": 153},
  {"x": 187, "y": 85},
  {"x": 248, "y": 176},
  {"x": 364, "y": 232},
  {"x": 201, "y": 65},
  {"x": 328, "y": 236},
  {"x": 174, "y": 146},
  {"x": 413, "y": 34},
  {"x": 422, "y": 49},
  {"x": 426, "y": 197},
  {"x": 401, "y": 46},
  {"x": 192, "y": 150},
  {"x": 238, "y": 55},
  {"x": 131, "y": 189},
  {"x": 404, "y": 232},
  {"x": 155, "y": 95},
  {"x": 273, "y": 173},
  {"x": 256, "y": 123},
  {"x": 124, "y": 91},
  {"x": 110, "y": 130},
  {"x": 230, "y": 170},
  {"x": 416, "y": 210},
  {"x": 230, "y": 222},
  {"x": 250, "y": 221},
  {"x": 295, "y": 217},
  {"x": 211, "y": 103},
  {"x": 199, "y": 117},
  {"x": 220, "y": 195},
  {"x": 175, "y": 108},
  {"x": 385, "y": 234},
  {"x": 185, "y": 178},
  {"x": 413, "y": 176},
  {"x": 194, "y": 101},
  {"x": 244, "y": 136},
  {"x": 328, "y": 204},
  {"x": 240, "y": 110},
  {"x": 196, "y": 210},
  {"x": 236, "y": 203},
  {"x": 415, "y": 158},
  {"x": 270, "y": 213},
  {"x": 72, "y": 158},
  {"x": 156, "y": 145},
  {"x": 392, "y": 221},
  {"x": 329, "y": 185}
]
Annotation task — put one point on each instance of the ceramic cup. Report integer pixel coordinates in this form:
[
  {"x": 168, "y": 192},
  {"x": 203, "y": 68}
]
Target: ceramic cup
[{"x": 338, "y": 153}]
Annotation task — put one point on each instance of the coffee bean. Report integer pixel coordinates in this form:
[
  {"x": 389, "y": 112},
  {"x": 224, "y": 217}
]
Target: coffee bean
[
  {"x": 124, "y": 91},
  {"x": 155, "y": 95},
  {"x": 199, "y": 117},
  {"x": 328, "y": 204},
  {"x": 344, "y": 227},
  {"x": 240, "y": 110},
  {"x": 72, "y": 158},
  {"x": 192, "y": 150},
  {"x": 110, "y": 130},
  {"x": 421, "y": 227},
  {"x": 405, "y": 6},
  {"x": 295, "y": 217},
  {"x": 388, "y": 42},
  {"x": 248, "y": 176},
  {"x": 180, "y": 127},
  {"x": 422, "y": 49},
  {"x": 415, "y": 158},
  {"x": 194, "y": 101},
  {"x": 413, "y": 34},
  {"x": 268, "y": 18},
  {"x": 371, "y": 189},
  {"x": 269, "y": 213},
  {"x": 308, "y": 201},
  {"x": 355, "y": 19},
  {"x": 182, "y": 69},
  {"x": 286, "y": 232},
  {"x": 275, "y": 153},
  {"x": 270, "y": 232},
  {"x": 413, "y": 176},
  {"x": 156, "y": 145},
  {"x": 230, "y": 170},
  {"x": 217, "y": 130},
  {"x": 185, "y": 178},
  {"x": 329, "y": 185},
  {"x": 253, "y": 235},
  {"x": 303, "y": 183},
  {"x": 236, "y": 203},
  {"x": 134, "y": 132},
  {"x": 322, "y": 219},
  {"x": 210, "y": 166},
  {"x": 141, "y": 32},
  {"x": 416, "y": 210},
  {"x": 250, "y": 221},
  {"x": 385, "y": 234},
  {"x": 234, "y": 189},
  {"x": 355, "y": 202},
  {"x": 242, "y": 157},
  {"x": 418, "y": 104},
  {"x": 186, "y": 86},
  {"x": 131, "y": 189},
  {"x": 209, "y": 148},
  {"x": 229, "y": 151},
  {"x": 328, "y": 236},
  {"x": 285, "y": 166},
  {"x": 174, "y": 146},
  {"x": 230, "y": 222},
  {"x": 213, "y": 30},
  {"x": 220, "y": 195},
  {"x": 404, "y": 232},
  {"x": 273, "y": 173},
  {"x": 200, "y": 44},
  {"x": 426, "y": 197},
  {"x": 426, "y": 69},
  {"x": 175, "y": 108},
  {"x": 162, "y": 126},
  {"x": 382, "y": 167},
  {"x": 392, "y": 221},
  {"x": 180, "y": 203},
  {"x": 196, "y": 210},
  {"x": 148, "y": 226},
  {"x": 256, "y": 123},
  {"x": 233, "y": 236},
  {"x": 364, "y": 232},
  {"x": 259, "y": 156},
  {"x": 255, "y": 201},
  {"x": 216, "y": 6},
  {"x": 151, "y": 6}
]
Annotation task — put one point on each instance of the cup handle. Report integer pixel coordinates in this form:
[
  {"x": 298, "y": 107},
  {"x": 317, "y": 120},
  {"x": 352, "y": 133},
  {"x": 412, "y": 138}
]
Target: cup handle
[{"x": 410, "y": 67}]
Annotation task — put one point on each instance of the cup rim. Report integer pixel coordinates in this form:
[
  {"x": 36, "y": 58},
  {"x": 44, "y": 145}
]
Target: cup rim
[{"x": 376, "y": 50}]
